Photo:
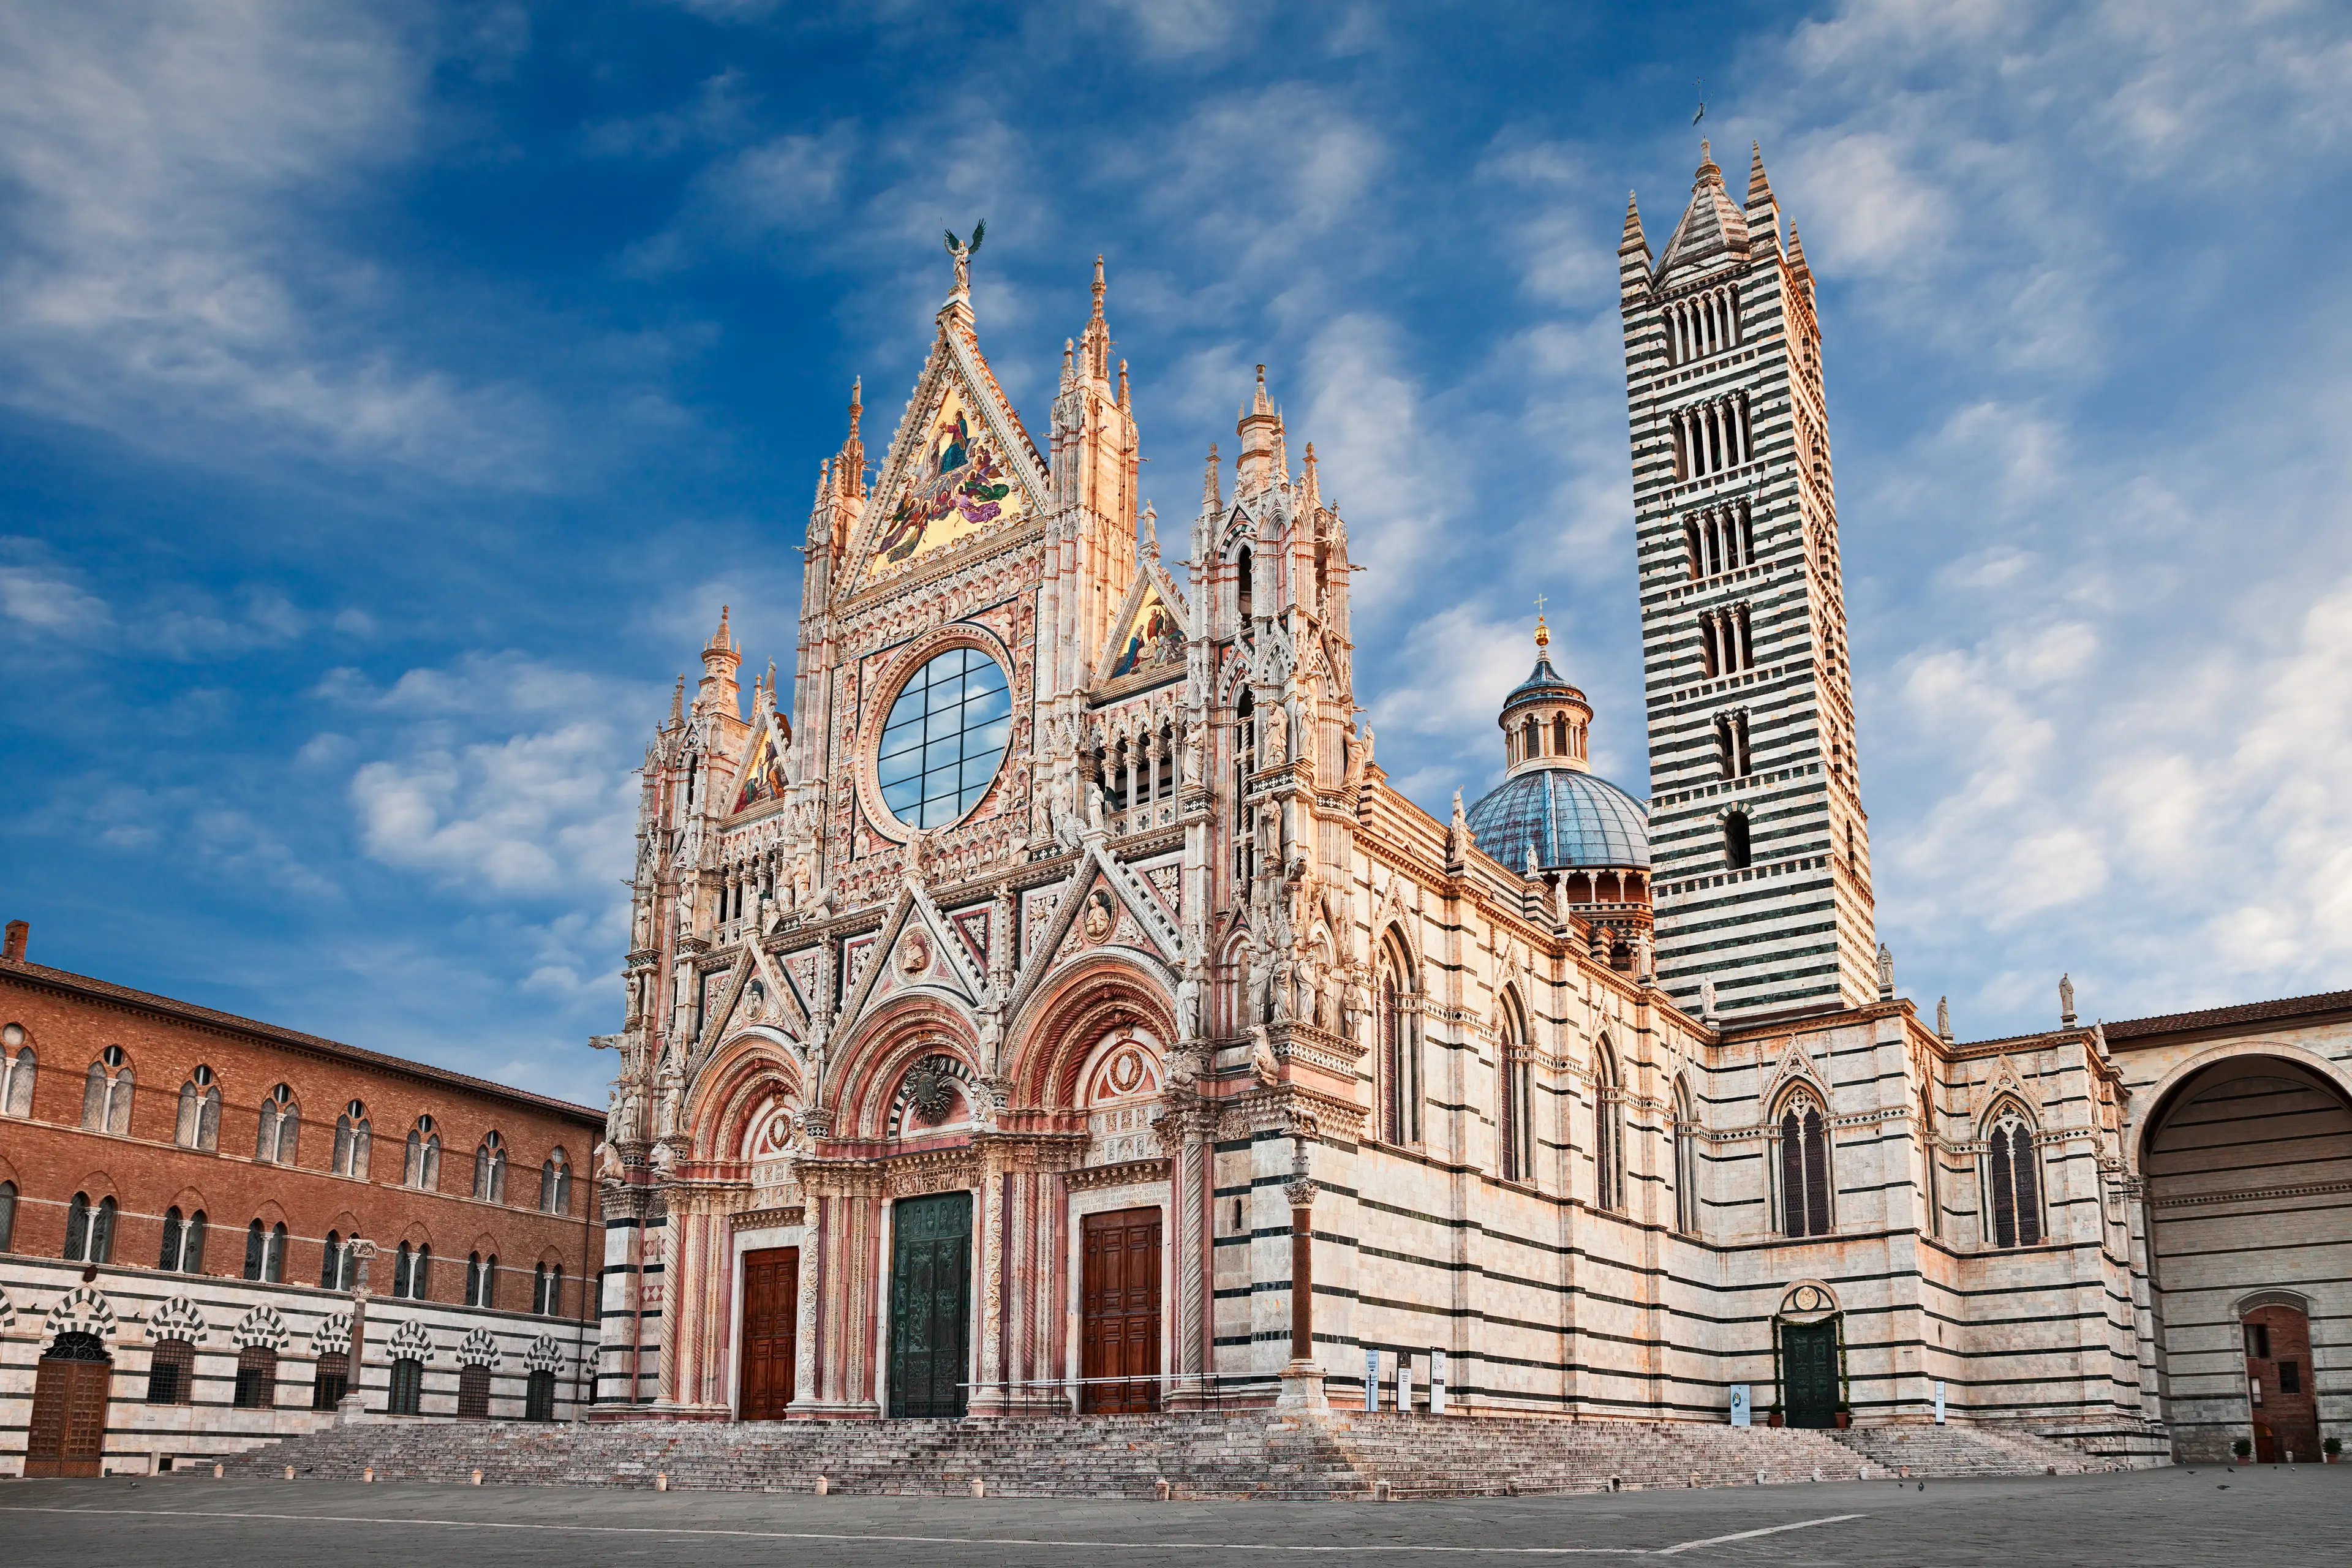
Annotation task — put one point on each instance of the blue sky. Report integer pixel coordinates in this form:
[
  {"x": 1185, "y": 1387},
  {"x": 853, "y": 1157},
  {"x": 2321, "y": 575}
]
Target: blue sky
[{"x": 391, "y": 394}]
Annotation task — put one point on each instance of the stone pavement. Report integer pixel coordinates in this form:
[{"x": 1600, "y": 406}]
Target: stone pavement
[{"x": 2186, "y": 1515}]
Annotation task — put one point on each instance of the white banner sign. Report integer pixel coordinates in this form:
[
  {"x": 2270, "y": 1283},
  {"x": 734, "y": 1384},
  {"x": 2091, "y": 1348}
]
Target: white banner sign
[
  {"x": 1437, "y": 1383},
  {"x": 1372, "y": 1378},
  {"x": 1939, "y": 1399},
  {"x": 1404, "y": 1385},
  {"x": 1739, "y": 1405}
]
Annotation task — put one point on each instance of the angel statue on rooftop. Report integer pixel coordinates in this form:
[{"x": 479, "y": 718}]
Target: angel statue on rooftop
[{"x": 964, "y": 253}]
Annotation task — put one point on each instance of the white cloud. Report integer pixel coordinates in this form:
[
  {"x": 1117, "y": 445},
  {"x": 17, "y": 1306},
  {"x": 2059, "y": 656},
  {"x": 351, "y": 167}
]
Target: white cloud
[
  {"x": 42, "y": 600},
  {"x": 167, "y": 282}
]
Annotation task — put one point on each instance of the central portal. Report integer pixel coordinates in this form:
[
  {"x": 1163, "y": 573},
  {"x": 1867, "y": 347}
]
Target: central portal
[
  {"x": 772, "y": 1302},
  {"x": 1120, "y": 1292},
  {"x": 1810, "y": 1367},
  {"x": 930, "y": 1303}
]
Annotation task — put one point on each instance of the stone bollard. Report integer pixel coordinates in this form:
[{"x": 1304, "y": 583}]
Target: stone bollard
[
  {"x": 368, "y": 1475},
  {"x": 218, "y": 1472},
  {"x": 478, "y": 1478},
  {"x": 289, "y": 1472},
  {"x": 1817, "y": 1475},
  {"x": 1906, "y": 1472},
  {"x": 1379, "y": 1491},
  {"x": 978, "y": 1486},
  {"x": 1759, "y": 1478},
  {"x": 823, "y": 1486},
  {"x": 1695, "y": 1481},
  {"x": 1161, "y": 1489},
  {"x": 661, "y": 1480}
]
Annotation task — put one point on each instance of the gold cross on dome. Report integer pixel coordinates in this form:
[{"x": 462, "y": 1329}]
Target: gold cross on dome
[{"x": 1541, "y": 599}]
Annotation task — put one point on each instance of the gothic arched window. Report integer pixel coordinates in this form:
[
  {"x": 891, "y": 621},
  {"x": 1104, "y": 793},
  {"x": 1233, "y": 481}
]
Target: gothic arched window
[
  {"x": 1804, "y": 1169},
  {"x": 1514, "y": 1073},
  {"x": 89, "y": 1231},
  {"x": 106, "y": 1093},
  {"x": 1685, "y": 1161},
  {"x": 16, "y": 1079},
  {"x": 8, "y": 1215},
  {"x": 171, "y": 1371},
  {"x": 256, "y": 1377},
  {"x": 2013, "y": 1174},
  {"x": 490, "y": 1169},
  {"x": 183, "y": 1243},
  {"x": 1607, "y": 1131},
  {"x": 423, "y": 1169},
  {"x": 351, "y": 1140},
  {"x": 1933, "y": 1162},
  {"x": 280, "y": 1132},
  {"x": 199, "y": 1120},
  {"x": 1397, "y": 1041},
  {"x": 555, "y": 1185},
  {"x": 1734, "y": 840}
]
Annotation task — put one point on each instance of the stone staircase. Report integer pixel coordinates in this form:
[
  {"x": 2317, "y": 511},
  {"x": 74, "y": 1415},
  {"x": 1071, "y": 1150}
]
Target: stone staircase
[
  {"x": 1953, "y": 1450},
  {"x": 1198, "y": 1456}
]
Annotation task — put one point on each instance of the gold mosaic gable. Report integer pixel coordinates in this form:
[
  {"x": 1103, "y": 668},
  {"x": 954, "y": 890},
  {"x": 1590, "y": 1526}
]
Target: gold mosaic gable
[{"x": 961, "y": 469}]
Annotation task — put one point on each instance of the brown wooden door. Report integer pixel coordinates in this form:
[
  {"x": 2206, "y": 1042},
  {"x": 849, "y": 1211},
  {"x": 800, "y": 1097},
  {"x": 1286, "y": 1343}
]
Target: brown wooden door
[
  {"x": 1120, "y": 1287},
  {"x": 68, "y": 1433},
  {"x": 771, "y": 1296}
]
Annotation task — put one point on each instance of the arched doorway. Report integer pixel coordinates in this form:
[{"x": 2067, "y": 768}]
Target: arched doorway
[
  {"x": 2279, "y": 1389},
  {"x": 70, "y": 1394},
  {"x": 1809, "y": 1357},
  {"x": 2238, "y": 1157},
  {"x": 931, "y": 1304}
]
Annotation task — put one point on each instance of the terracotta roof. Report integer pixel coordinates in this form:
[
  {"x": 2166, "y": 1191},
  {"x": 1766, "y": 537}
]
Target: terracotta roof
[
  {"x": 64, "y": 979},
  {"x": 2226, "y": 1017}
]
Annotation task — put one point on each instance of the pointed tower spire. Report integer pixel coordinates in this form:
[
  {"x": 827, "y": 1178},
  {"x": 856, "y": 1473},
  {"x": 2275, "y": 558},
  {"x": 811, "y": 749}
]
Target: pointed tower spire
[
  {"x": 1257, "y": 428},
  {"x": 1122, "y": 384},
  {"x": 1634, "y": 239},
  {"x": 1211, "y": 499},
  {"x": 677, "y": 705},
  {"x": 1096, "y": 339},
  {"x": 1797, "y": 267},
  {"x": 1310, "y": 485},
  {"x": 1759, "y": 187}
]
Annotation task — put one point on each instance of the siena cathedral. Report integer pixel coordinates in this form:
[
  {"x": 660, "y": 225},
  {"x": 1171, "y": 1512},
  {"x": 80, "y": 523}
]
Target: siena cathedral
[{"x": 1048, "y": 1004}]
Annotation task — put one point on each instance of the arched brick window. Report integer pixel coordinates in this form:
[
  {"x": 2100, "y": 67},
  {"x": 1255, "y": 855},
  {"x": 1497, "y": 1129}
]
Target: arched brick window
[
  {"x": 411, "y": 1272},
  {"x": 89, "y": 1231},
  {"x": 280, "y": 1131},
  {"x": 17, "y": 1068},
  {"x": 183, "y": 1243},
  {"x": 490, "y": 1170},
  {"x": 1398, "y": 1044},
  {"x": 199, "y": 1120},
  {"x": 555, "y": 1185},
  {"x": 264, "y": 1253},
  {"x": 423, "y": 1169},
  {"x": 351, "y": 1140},
  {"x": 8, "y": 1215},
  {"x": 1685, "y": 1161},
  {"x": 1515, "y": 1108},
  {"x": 481, "y": 1280},
  {"x": 106, "y": 1093}
]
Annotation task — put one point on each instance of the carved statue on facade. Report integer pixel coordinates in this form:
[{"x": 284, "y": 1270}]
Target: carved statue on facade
[{"x": 1274, "y": 734}]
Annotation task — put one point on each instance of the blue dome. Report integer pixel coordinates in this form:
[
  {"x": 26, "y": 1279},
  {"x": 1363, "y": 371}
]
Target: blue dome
[{"x": 1572, "y": 819}]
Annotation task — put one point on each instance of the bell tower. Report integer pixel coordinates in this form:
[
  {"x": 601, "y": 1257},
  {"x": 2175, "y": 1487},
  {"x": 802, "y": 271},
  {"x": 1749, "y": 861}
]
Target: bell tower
[{"x": 1759, "y": 844}]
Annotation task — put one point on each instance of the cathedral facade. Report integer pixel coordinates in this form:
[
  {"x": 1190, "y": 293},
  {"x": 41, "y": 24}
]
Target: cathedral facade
[{"x": 1049, "y": 1004}]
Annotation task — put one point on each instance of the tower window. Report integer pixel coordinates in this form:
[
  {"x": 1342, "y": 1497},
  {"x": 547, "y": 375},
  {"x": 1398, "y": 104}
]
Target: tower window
[
  {"x": 1244, "y": 588},
  {"x": 1804, "y": 1171},
  {"x": 2013, "y": 1174},
  {"x": 1734, "y": 840},
  {"x": 1731, "y": 744}
]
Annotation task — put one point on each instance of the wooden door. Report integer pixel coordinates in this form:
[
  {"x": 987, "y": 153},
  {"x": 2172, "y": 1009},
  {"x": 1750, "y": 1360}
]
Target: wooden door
[
  {"x": 69, "y": 1426},
  {"x": 1809, "y": 1374},
  {"x": 1118, "y": 1290},
  {"x": 771, "y": 1304},
  {"x": 931, "y": 1299}
]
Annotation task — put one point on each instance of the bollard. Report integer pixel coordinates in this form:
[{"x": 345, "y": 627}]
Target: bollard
[
  {"x": 1160, "y": 1490},
  {"x": 978, "y": 1486},
  {"x": 661, "y": 1480},
  {"x": 1695, "y": 1481},
  {"x": 289, "y": 1472},
  {"x": 1759, "y": 1478},
  {"x": 822, "y": 1485},
  {"x": 478, "y": 1478},
  {"x": 216, "y": 1472},
  {"x": 1379, "y": 1491},
  {"x": 1817, "y": 1474},
  {"x": 368, "y": 1475}
]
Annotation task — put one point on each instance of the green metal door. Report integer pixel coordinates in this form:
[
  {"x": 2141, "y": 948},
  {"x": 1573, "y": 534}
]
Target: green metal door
[
  {"x": 1809, "y": 1373},
  {"x": 930, "y": 1303}
]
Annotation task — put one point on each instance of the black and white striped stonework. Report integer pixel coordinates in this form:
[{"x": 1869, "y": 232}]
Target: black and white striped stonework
[{"x": 1762, "y": 881}]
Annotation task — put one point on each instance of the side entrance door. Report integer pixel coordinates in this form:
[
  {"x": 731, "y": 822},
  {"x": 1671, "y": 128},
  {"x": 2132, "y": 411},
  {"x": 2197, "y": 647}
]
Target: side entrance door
[
  {"x": 930, "y": 1303},
  {"x": 69, "y": 1426},
  {"x": 1808, "y": 1373},
  {"x": 1120, "y": 1287},
  {"x": 771, "y": 1298}
]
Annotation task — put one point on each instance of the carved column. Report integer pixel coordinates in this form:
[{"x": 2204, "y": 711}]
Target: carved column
[
  {"x": 838, "y": 1269},
  {"x": 987, "y": 1394},
  {"x": 1189, "y": 1200},
  {"x": 1302, "y": 1379}
]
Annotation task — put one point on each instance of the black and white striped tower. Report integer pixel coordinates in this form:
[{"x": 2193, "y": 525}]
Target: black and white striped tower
[{"x": 1760, "y": 847}]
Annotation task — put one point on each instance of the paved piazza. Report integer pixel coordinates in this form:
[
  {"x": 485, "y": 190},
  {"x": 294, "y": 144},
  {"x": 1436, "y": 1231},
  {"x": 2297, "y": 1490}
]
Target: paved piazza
[{"x": 2200, "y": 1515}]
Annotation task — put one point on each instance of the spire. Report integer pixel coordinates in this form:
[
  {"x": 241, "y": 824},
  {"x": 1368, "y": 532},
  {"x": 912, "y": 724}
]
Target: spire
[
  {"x": 1708, "y": 167},
  {"x": 677, "y": 704},
  {"x": 1210, "y": 501},
  {"x": 1633, "y": 239},
  {"x": 1803, "y": 273},
  {"x": 722, "y": 641},
  {"x": 824, "y": 481},
  {"x": 1069, "y": 362},
  {"x": 850, "y": 474},
  {"x": 1262, "y": 404},
  {"x": 1257, "y": 428},
  {"x": 1760, "y": 189},
  {"x": 1096, "y": 337},
  {"x": 1310, "y": 484},
  {"x": 1122, "y": 384}
]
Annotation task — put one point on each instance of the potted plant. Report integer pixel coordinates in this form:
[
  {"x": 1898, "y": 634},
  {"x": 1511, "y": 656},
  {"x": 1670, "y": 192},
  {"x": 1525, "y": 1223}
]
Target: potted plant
[
  {"x": 1845, "y": 1418},
  {"x": 2332, "y": 1449},
  {"x": 2243, "y": 1448},
  {"x": 1773, "y": 1417}
]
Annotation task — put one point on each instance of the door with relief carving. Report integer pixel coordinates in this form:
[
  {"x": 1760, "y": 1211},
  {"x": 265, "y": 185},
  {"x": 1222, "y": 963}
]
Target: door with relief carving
[
  {"x": 1118, "y": 1278},
  {"x": 772, "y": 1290}
]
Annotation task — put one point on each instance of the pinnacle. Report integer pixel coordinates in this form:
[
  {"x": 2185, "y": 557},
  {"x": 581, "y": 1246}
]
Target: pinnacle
[
  {"x": 1261, "y": 404},
  {"x": 722, "y": 639},
  {"x": 1760, "y": 188}
]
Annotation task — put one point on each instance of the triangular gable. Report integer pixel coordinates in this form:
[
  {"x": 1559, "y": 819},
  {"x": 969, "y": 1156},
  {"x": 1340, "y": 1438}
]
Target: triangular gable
[
  {"x": 762, "y": 779},
  {"x": 972, "y": 926},
  {"x": 960, "y": 466},
  {"x": 800, "y": 971},
  {"x": 1148, "y": 630},
  {"x": 1129, "y": 915},
  {"x": 916, "y": 947}
]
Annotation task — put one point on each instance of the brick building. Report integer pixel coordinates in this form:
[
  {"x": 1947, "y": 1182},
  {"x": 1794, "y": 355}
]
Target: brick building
[{"x": 196, "y": 1208}]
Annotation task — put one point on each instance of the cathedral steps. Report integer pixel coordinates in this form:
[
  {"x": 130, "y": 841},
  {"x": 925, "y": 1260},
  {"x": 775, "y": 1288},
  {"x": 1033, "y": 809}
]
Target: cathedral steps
[
  {"x": 1953, "y": 1450},
  {"x": 1198, "y": 1456}
]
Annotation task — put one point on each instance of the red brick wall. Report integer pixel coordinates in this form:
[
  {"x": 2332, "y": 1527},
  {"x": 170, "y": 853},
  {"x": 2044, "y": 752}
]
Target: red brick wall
[{"x": 50, "y": 1157}]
